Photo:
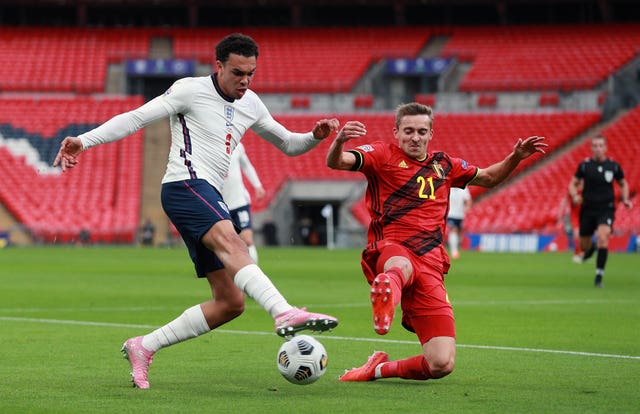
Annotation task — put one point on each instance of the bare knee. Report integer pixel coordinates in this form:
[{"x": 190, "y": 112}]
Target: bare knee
[
  {"x": 441, "y": 366},
  {"x": 401, "y": 262},
  {"x": 440, "y": 353},
  {"x": 220, "y": 311}
]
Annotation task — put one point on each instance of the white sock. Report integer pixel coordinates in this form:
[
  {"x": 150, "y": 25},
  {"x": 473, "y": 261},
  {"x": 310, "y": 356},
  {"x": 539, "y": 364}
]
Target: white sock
[
  {"x": 259, "y": 288},
  {"x": 253, "y": 252},
  {"x": 453, "y": 242},
  {"x": 378, "y": 371},
  {"x": 190, "y": 324}
]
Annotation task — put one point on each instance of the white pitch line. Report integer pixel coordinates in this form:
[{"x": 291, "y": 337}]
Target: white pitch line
[
  {"x": 362, "y": 304},
  {"x": 332, "y": 337}
]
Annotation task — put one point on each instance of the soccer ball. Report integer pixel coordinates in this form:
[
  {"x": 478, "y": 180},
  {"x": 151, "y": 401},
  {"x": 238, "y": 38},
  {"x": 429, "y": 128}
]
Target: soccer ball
[{"x": 302, "y": 360}]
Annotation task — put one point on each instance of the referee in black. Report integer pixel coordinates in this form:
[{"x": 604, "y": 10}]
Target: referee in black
[{"x": 598, "y": 207}]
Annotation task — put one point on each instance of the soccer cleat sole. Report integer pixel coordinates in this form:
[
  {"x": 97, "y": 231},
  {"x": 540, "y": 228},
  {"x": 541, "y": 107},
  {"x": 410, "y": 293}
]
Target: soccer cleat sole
[
  {"x": 381, "y": 296},
  {"x": 315, "y": 325}
]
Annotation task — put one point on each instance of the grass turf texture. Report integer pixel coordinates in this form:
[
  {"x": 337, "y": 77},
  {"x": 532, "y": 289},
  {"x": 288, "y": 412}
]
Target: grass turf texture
[{"x": 534, "y": 335}]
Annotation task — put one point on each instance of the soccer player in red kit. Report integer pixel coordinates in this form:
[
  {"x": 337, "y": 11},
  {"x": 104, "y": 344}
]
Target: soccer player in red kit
[{"x": 405, "y": 259}]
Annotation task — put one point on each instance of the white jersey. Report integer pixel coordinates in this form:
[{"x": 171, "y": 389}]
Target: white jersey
[
  {"x": 457, "y": 199},
  {"x": 206, "y": 126},
  {"x": 234, "y": 193}
]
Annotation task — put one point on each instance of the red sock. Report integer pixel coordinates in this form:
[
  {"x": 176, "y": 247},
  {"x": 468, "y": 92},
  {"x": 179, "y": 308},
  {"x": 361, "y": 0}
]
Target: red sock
[
  {"x": 396, "y": 277},
  {"x": 415, "y": 368}
]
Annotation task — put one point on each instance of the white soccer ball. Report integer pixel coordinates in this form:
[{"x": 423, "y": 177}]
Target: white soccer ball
[{"x": 302, "y": 360}]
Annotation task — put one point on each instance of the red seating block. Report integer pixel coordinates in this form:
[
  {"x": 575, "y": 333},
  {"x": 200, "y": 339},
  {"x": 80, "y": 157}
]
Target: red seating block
[
  {"x": 363, "y": 101},
  {"x": 425, "y": 99},
  {"x": 487, "y": 100},
  {"x": 300, "y": 102},
  {"x": 562, "y": 57},
  {"x": 549, "y": 99},
  {"x": 105, "y": 185}
]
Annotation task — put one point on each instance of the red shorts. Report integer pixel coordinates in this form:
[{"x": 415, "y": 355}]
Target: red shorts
[
  {"x": 424, "y": 297},
  {"x": 574, "y": 217}
]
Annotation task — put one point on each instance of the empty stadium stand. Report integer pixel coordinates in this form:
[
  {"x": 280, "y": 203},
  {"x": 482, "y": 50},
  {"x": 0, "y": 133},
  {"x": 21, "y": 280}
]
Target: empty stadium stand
[
  {"x": 102, "y": 195},
  {"x": 68, "y": 59},
  {"x": 531, "y": 205},
  {"x": 521, "y": 58}
]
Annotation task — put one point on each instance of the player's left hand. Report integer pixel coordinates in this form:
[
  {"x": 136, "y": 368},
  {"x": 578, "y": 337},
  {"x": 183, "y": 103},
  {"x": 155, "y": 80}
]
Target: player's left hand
[
  {"x": 628, "y": 204},
  {"x": 528, "y": 147},
  {"x": 324, "y": 127},
  {"x": 351, "y": 130}
]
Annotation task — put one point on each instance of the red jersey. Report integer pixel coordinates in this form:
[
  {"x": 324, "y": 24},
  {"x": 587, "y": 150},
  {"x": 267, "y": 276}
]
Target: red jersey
[{"x": 408, "y": 200}]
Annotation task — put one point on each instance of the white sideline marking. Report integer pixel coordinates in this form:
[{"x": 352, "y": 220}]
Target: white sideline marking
[
  {"x": 363, "y": 304},
  {"x": 337, "y": 338}
]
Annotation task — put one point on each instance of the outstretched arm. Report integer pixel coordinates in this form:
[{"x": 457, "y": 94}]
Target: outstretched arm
[
  {"x": 338, "y": 159},
  {"x": 498, "y": 172},
  {"x": 114, "y": 129},
  {"x": 294, "y": 143}
]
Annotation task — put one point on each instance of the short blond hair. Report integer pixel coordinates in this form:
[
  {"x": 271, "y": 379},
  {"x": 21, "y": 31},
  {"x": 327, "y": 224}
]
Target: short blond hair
[{"x": 413, "y": 108}]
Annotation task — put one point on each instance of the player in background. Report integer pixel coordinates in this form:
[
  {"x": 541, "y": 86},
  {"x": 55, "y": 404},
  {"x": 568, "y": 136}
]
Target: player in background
[
  {"x": 459, "y": 204},
  {"x": 597, "y": 211},
  {"x": 237, "y": 197},
  {"x": 569, "y": 217},
  {"x": 208, "y": 117},
  {"x": 404, "y": 260}
]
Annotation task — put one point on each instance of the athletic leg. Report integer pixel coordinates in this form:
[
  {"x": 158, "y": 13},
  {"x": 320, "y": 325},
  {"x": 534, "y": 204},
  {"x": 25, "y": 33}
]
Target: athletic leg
[
  {"x": 228, "y": 303},
  {"x": 232, "y": 252},
  {"x": 602, "y": 235}
]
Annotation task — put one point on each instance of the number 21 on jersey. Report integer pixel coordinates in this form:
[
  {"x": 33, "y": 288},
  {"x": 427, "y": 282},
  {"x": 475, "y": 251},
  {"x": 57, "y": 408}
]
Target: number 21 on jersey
[{"x": 426, "y": 188}]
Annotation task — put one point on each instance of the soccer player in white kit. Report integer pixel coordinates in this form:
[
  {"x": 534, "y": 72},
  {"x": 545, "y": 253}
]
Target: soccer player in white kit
[
  {"x": 459, "y": 204},
  {"x": 208, "y": 117},
  {"x": 237, "y": 197}
]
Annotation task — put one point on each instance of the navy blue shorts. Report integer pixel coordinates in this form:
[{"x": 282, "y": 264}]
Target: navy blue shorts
[
  {"x": 454, "y": 222},
  {"x": 194, "y": 206},
  {"x": 241, "y": 217}
]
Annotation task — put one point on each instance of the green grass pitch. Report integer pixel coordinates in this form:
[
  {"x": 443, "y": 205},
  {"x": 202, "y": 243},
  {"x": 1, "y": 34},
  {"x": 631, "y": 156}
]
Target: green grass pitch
[{"x": 534, "y": 335}]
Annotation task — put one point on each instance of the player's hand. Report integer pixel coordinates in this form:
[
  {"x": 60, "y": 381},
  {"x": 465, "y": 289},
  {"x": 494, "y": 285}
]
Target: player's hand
[
  {"x": 67, "y": 157},
  {"x": 528, "y": 147},
  {"x": 628, "y": 204},
  {"x": 260, "y": 193},
  {"x": 351, "y": 130},
  {"x": 324, "y": 127}
]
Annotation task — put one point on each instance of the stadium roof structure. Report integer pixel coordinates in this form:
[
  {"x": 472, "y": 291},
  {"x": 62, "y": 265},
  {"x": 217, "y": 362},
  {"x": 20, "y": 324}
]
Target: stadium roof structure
[{"x": 309, "y": 12}]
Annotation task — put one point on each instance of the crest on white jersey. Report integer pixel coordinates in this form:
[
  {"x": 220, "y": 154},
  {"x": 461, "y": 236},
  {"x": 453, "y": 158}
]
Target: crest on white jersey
[
  {"x": 228, "y": 112},
  {"x": 223, "y": 206}
]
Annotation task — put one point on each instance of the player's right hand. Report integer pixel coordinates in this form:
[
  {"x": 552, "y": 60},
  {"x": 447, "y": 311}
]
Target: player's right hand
[{"x": 67, "y": 156}]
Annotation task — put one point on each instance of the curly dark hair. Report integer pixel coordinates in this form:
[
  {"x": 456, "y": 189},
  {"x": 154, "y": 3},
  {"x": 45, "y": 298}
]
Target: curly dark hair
[{"x": 236, "y": 43}]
